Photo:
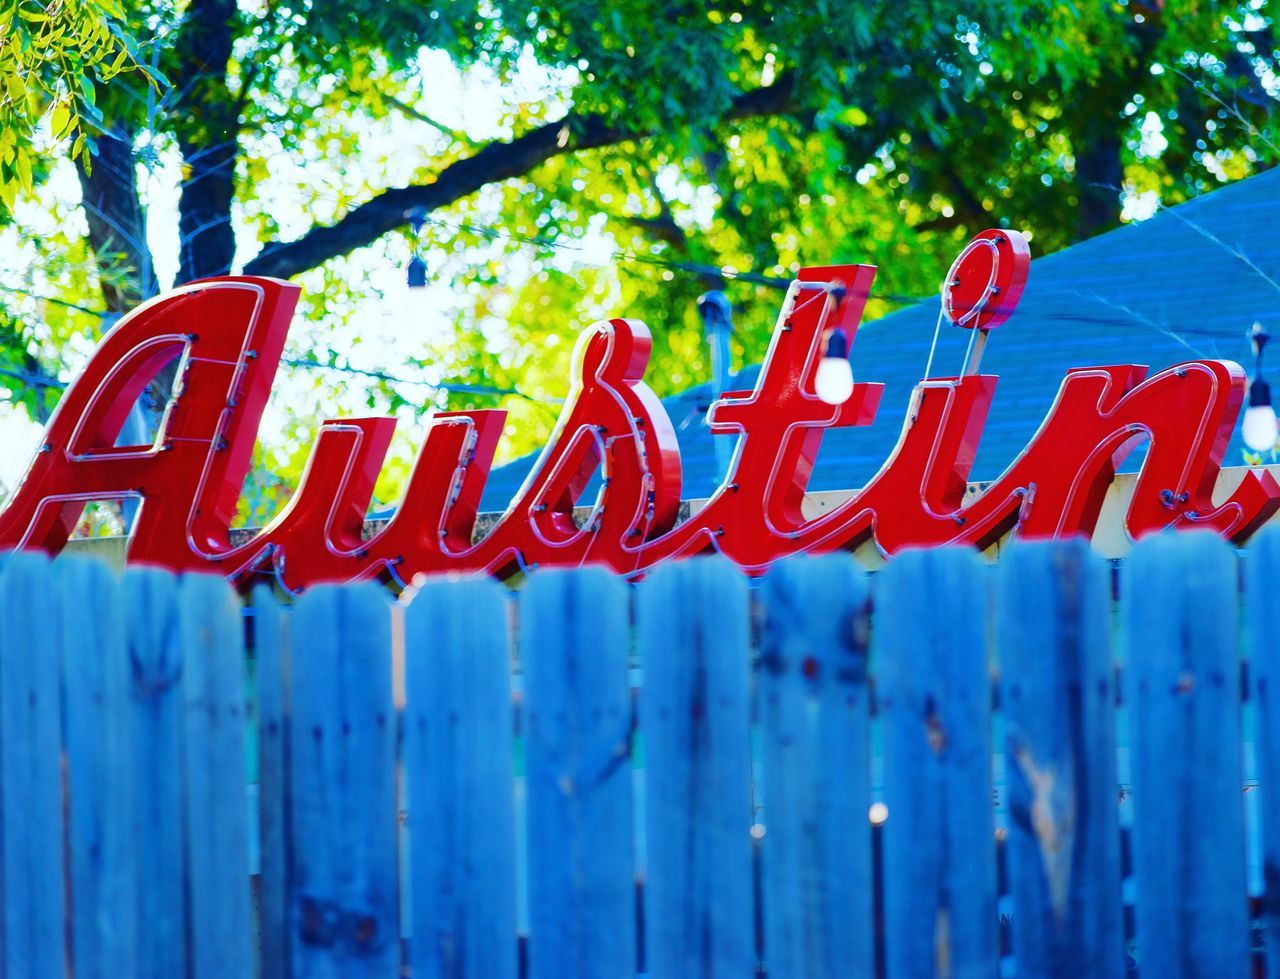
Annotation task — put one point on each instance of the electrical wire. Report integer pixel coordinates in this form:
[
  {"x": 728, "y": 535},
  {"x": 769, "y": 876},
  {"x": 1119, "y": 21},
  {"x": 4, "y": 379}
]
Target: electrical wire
[
  {"x": 36, "y": 380},
  {"x": 32, "y": 379},
  {"x": 698, "y": 270},
  {"x": 453, "y": 387}
]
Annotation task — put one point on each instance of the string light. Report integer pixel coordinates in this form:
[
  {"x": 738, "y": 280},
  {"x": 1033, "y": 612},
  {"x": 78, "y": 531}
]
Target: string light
[
  {"x": 834, "y": 380},
  {"x": 416, "y": 272},
  {"x": 453, "y": 387},
  {"x": 621, "y": 256},
  {"x": 1259, "y": 428},
  {"x": 32, "y": 379}
]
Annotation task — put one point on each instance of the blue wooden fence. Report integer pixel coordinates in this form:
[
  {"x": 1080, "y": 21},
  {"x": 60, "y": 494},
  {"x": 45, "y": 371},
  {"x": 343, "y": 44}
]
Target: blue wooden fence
[{"x": 1050, "y": 767}]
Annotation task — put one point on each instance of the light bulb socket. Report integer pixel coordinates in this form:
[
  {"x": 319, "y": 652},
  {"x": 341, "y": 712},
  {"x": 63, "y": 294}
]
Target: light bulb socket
[
  {"x": 1259, "y": 393},
  {"x": 417, "y": 273},
  {"x": 837, "y": 343},
  {"x": 715, "y": 311}
]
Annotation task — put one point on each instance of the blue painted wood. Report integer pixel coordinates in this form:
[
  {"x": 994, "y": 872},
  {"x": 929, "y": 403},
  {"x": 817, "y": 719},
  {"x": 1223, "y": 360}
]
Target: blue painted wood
[
  {"x": 934, "y": 692},
  {"x": 1262, "y": 585},
  {"x": 270, "y": 656},
  {"x": 4, "y": 560},
  {"x": 458, "y": 732},
  {"x": 156, "y": 731},
  {"x": 1182, "y": 693},
  {"x": 573, "y": 650},
  {"x": 692, "y": 634},
  {"x": 343, "y": 908},
  {"x": 814, "y": 706},
  {"x": 1057, "y": 693},
  {"x": 30, "y": 766},
  {"x": 212, "y": 639},
  {"x": 96, "y": 678},
  {"x": 151, "y": 732}
]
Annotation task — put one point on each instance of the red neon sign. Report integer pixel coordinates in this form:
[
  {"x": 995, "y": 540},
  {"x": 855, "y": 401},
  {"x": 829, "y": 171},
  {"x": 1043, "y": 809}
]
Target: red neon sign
[{"x": 228, "y": 334}]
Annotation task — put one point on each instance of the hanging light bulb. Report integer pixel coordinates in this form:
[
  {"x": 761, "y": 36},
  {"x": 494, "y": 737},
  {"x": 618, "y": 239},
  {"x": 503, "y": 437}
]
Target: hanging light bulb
[
  {"x": 1259, "y": 429},
  {"x": 834, "y": 383}
]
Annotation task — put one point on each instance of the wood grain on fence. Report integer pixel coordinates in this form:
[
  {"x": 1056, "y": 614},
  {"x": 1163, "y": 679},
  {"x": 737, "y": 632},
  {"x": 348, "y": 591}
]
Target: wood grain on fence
[
  {"x": 271, "y": 685},
  {"x": 579, "y": 727},
  {"x": 699, "y": 754},
  {"x": 211, "y": 639},
  {"x": 692, "y": 636},
  {"x": 814, "y": 704},
  {"x": 1261, "y": 590},
  {"x": 1058, "y": 694},
  {"x": 156, "y": 732},
  {"x": 100, "y": 805},
  {"x": 1182, "y": 692},
  {"x": 344, "y": 893},
  {"x": 458, "y": 742},
  {"x": 30, "y": 767},
  {"x": 934, "y": 690}
]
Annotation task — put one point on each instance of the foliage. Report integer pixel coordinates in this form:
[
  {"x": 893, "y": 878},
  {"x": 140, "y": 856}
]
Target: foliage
[
  {"x": 580, "y": 160},
  {"x": 51, "y": 56}
]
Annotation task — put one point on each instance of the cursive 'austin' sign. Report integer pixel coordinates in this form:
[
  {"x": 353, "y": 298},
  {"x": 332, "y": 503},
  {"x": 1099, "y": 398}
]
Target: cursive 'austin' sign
[{"x": 228, "y": 334}]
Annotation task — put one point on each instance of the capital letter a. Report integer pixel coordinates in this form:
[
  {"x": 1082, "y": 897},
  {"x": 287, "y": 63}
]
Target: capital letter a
[{"x": 227, "y": 334}]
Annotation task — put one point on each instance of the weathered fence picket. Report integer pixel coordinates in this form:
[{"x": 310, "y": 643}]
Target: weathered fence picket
[
  {"x": 344, "y": 902},
  {"x": 692, "y": 635},
  {"x": 211, "y": 640},
  {"x": 458, "y": 769},
  {"x": 156, "y": 729},
  {"x": 814, "y": 709},
  {"x": 934, "y": 693},
  {"x": 96, "y": 680},
  {"x": 1057, "y": 692},
  {"x": 30, "y": 767},
  {"x": 1182, "y": 693},
  {"x": 1261, "y": 587},
  {"x": 691, "y": 759},
  {"x": 271, "y": 684},
  {"x": 578, "y": 729}
]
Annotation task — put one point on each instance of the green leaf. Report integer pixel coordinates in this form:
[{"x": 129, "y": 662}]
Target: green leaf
[
  {"x": 23, "y": 166},
  {"x": 60, "y": 119}
]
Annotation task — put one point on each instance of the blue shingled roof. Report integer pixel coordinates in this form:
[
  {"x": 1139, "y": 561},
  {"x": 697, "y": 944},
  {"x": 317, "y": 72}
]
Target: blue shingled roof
[{"x": 1185, "y": 284}]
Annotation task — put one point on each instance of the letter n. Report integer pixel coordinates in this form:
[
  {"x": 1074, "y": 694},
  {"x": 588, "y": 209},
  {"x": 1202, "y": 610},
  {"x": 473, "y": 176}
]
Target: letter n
[{"x": 1187, "y": 413}]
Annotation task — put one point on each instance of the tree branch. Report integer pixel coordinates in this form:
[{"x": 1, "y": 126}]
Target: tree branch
[
  {"x": 413, "y": 113},
  {"x": 368, "y": 222}
]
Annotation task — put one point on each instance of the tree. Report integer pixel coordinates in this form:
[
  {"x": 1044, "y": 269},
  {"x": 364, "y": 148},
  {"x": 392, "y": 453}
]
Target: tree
[
  {"x": 50, "y": 59},
  {"x": 675, "y": 139}
]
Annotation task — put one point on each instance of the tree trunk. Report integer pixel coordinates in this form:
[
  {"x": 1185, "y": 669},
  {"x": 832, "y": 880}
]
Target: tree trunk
[
  {"x": 204, "y": 215},
  {"x": 118, "y": 237},
  {"x": 117, "y": 228},
  {"x": 1098, "y": 132},
  {"x": 207, "y": 127},
  {"x": 1100, "y": 176}
]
